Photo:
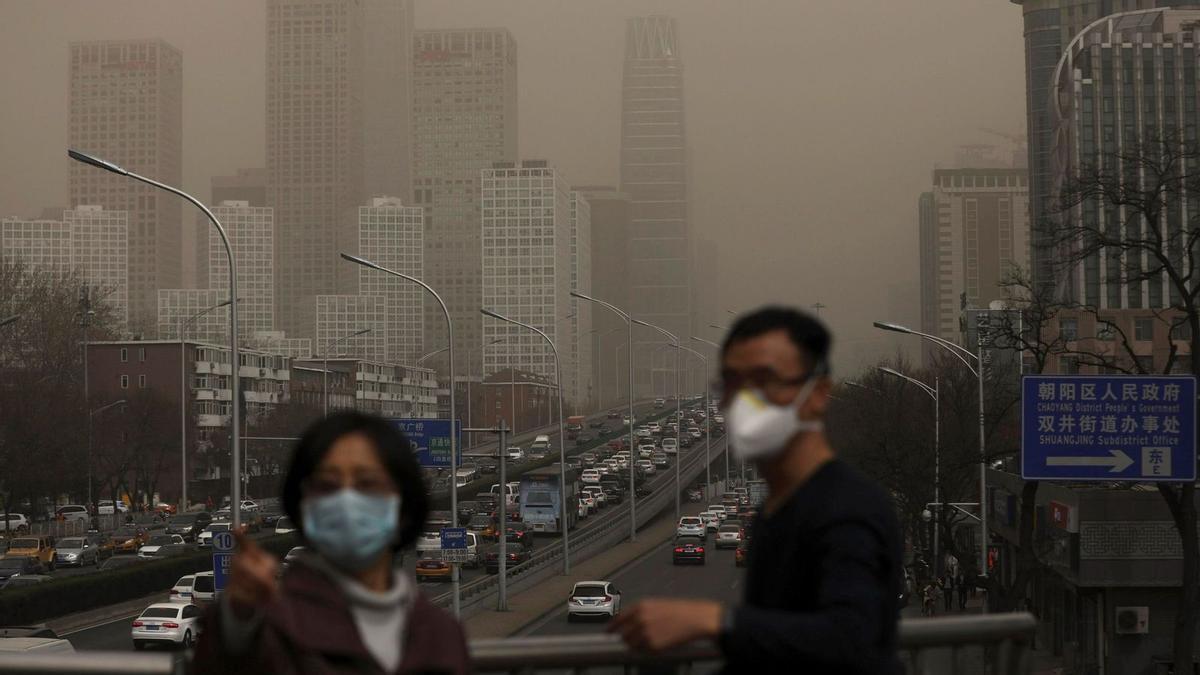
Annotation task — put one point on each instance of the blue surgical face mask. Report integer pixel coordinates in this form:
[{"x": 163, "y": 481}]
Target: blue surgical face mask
[{"x": 351, "y": 528}]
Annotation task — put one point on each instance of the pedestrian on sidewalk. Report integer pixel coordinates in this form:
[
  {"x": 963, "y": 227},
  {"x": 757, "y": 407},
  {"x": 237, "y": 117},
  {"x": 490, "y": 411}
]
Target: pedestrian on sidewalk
[
  {"x": 947, "y": 592},
  {"x": 823, "y": 585},
  {"x": 961, "y": 585},
  {"x": 357, "y": 495}
]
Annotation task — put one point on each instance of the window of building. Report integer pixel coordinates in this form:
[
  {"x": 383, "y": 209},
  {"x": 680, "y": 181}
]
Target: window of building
[
  {"x": 124, "y": 355},
  {"x": 1068, "y": 365},
  {"x": 124, "y": 380},
  {"x": 142, "y": 354},
  {"x": 1105, "y": 331},
  {"x": 1182, "y": 331},
  {"x": 1143, "y": 329},
  {"x": 1145, "y": 363},
  {"x": 1069, "y": 329},
  {"x": 141, "y": 381}
]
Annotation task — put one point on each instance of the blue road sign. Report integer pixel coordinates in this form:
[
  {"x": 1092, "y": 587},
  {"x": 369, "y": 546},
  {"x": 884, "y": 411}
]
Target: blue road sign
[
  {"x": 223, "y": 544},
  {"x": 1106, "y": 428},
  {"x": 430, "y": 440},
  {"x": 454, "y": 538}
]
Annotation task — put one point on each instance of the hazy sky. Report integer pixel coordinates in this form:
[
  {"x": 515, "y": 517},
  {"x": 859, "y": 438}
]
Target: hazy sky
[{"x": 812, "y": 124}]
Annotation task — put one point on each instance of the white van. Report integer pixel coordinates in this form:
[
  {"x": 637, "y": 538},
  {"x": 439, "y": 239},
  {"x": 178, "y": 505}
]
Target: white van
[
  {"x": 466, "y": 475},
  {"x": 35, "y": 644},
  {"x": 540, "y": 446}
]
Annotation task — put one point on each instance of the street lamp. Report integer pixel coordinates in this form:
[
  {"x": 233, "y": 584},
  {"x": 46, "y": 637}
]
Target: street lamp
[
  {"x": 632, "y": 489},
  {"x": 707, "y": 422},
  {"x": 325, "y": 367},
  {"x": 92, "y": 414},
  {"x": 183, "y": 398},
  {"x": 453, "y": 437},
  {"x": 962, "y": 354},
  {"x": 235, "y": 497},
  {"x": 431, "y": 354},
  {"x": 717, "y": 347},
  {"x": 932, "y": 392},
  {"x": 562, "y": 436},
  {"x": 678, "y": 407}
]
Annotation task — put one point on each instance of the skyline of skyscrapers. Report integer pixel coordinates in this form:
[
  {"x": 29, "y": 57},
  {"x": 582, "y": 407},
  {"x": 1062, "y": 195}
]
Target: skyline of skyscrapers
[
  {"x": 125, "y": 103},
  {"x": 654, "y": 175}
]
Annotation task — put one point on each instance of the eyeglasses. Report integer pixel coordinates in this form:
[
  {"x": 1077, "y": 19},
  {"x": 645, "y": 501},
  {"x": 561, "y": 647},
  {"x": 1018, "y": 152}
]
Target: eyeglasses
[
  {"x": 766, "y": 380},
  {"x": 324, "y": 485}
]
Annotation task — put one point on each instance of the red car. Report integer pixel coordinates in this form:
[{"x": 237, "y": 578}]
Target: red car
[{"x": 739, "y": 556}]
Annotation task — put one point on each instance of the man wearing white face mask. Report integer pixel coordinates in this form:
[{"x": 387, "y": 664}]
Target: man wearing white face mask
[{"x": 824, "y": 562}]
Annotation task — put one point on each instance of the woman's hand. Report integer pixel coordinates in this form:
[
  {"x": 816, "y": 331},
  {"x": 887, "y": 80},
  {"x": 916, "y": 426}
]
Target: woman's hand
[{"x": 252, "y": 580}]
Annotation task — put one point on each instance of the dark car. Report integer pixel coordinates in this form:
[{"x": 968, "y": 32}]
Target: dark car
[
  {"x": 688, "y": 550},
  {"x": 596, "y": 424},
  {"x": 11, "y": 567},
  {"x": 685, "y": 441},
  {"x": 189, "y": 525},
  {"x": 584, "y": 439},
  {"x": 270, "y": 516},
  {"x": 488, "y": 501},
  {"x": 466, "y": 510},
  {"x": 516, "y": 556},
  {"x": 487, "y": 465},
  {"x": 612, "y": 495},
  {"x": 614, "y": 414},
  {"x": 519, "y": 533}
]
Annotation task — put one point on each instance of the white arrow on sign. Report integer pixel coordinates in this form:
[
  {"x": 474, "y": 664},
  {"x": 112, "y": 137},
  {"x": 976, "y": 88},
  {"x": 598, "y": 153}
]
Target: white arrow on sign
[{"x": 1117, "y": 461}]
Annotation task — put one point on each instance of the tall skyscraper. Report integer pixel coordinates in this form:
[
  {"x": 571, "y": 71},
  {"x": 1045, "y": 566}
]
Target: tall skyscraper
[
  {"x": 610, "y": 282},
  {"x": 89, "y": 240},
  {"x": 125, "y": 104},
  {"x": 251, "y": 232},
  {"x": 974, "y": 233},
  {"x": 527, "y": 268},
  {"x": 464, "y": 120},
  {"x": 387, "y": 96},
  {"x": 315, "y": 160},
  {"x": 654, "y": 175},
  {"x": 393, "y": 235},
  {"x": 580, "y": 358},
  {"x": 340, "y": 316},
  {"x": 1105, "y": 110}
]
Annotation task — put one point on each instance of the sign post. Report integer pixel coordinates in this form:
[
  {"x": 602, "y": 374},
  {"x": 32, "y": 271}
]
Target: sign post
[
  {"x": 223, "y": 545},
  {"x": 1108, "y": 428}
]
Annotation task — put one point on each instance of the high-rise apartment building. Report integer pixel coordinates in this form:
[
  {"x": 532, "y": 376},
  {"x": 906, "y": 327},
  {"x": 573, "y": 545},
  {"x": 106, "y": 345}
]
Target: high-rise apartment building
[
  {"x": 125, "y": 104},
  {"x": 527, "y": 268},
  {"x": 89, "y": 240},
  {"x": 188, "y": 312},
  {"x": 464, "y": 120},
  {"x": 974, "y": 234},
  {"x": 393, "y": 235},
  {"x": 251, "y": 232},
  {"x": 341, "y": 316},
  {"x": 387, "y": 96},
  {"x": 581, "y": 312},
  {"x": 315, "y": 80},
  {"x": 1125, "y": 81},
  {"x": 654, "y": 175},
  {"x": 609, "y": 210}
]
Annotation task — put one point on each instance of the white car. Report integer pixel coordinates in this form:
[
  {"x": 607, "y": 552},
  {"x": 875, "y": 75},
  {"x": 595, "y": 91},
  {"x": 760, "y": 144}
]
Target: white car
[
  {"x": 284, "y": 525},
  {"x": 597, "y": 493},
  {"x": 691, "y": 526},
  {"x": 646, "y": 450},
  {"x": 670, "y": 446},
  {"x": 593, "y": 598},
  {"x": 204, "y": 588},
  {"x": 167, "y": 622},
  {"x": 430, "y": 540},
  {"x": 589, "y": 501},
  {"x": 654, "y": 427},
  {"x": 660, "y": 460},
  {"x": 515, "y": 454},
  {"x": 625, "y": 420},
  {"x": 711, "y": 520},
  {"x": 156, "y": 542},
  {"x": 646, "y": 466},
  {"x": 729, "y": 536},
  {"x": 249, "y": 505},
  {"x": 105, "y": 507},
  {"x": 719, "y": 509},
  {"x": 72, "y": 512},
  {"x": 16, "y": 522},
  {"x": 204, "y": 539},
  {"x": 582, "y": 511},
  {"x": 590, "y": 476},
  {"x": 181, "y": 592},
  {"x": 696, "y": 433}
]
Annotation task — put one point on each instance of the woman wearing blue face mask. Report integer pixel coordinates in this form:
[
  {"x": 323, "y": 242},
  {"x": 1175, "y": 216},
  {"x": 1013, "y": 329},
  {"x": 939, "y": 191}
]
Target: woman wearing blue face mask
[{"x": 355, "y": 490}]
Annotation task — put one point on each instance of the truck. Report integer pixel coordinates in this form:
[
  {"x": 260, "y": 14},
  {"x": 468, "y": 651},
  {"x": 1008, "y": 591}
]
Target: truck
[
  {"x": 758, "y": 492},
  {"x": 540, "y": 447},
  {"x": 575, "y": 423},
  {"x": 539, "y": 498}
]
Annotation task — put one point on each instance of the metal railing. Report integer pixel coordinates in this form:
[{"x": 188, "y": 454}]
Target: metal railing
[
  {"x": 609, "y": 529},
  {"x": 927, "y": 647},
  {"x": 89, "y": 663}
]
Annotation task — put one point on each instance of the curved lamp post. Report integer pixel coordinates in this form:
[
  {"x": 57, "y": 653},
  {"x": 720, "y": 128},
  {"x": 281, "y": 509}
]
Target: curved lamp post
[
  {"x": 453, "y": 436},
  {"x": 562, "y": 436},
  {"x": 235, "y": 491},
  {"x": 632, "y": 488},
  {"x": 678, "y": 407},
  {"x": 183, "y": 401},
  {"x": 325, "y": 365}
]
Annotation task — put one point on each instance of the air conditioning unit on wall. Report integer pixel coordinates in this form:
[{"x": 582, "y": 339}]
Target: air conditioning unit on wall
[{"x": 1133, "y": 620}]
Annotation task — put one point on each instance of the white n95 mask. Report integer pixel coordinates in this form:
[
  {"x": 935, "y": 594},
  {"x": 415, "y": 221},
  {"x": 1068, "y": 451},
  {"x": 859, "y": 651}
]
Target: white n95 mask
[{"x": 759, "y": 428}]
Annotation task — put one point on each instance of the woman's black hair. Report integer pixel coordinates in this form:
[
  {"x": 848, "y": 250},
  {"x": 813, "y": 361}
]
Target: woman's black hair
[{"x": 394, "y": 452}]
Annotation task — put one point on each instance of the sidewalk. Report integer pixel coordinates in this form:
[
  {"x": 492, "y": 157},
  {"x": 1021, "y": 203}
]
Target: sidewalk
[{"x": 529, "y": 605}]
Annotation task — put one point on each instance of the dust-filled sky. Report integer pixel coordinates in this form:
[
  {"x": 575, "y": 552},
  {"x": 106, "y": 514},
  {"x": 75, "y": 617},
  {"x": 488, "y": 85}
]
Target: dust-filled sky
[{"x": 812, "y": 124}]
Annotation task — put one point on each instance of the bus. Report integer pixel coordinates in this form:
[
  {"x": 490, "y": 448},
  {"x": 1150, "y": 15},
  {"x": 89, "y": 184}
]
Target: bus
[{"x": 539, "y": 498}]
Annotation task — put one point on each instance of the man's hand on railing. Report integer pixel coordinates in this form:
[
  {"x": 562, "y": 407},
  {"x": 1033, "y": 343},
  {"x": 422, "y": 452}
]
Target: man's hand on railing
[{"x": 658, "y": 624}]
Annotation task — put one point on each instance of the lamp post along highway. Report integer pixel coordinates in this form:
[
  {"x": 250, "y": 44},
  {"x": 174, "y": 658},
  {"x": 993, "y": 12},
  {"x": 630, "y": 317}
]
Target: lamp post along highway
[
  {"x": 708, "y": 411},
  {"x": 562, "y": 436},
  {"x": 707, "y": 423},
  {"x": 678, "y": 408},
  {"x": 325, "y": 366},
  {"x": 183, "y": 399},
  {"x": 963, "y": 354},
  {"x": 932, "y": 392},
  {"x": 235, "y": 496},
  {"x": 454, "y": 580},
  {"x": 632, "y": 486}
]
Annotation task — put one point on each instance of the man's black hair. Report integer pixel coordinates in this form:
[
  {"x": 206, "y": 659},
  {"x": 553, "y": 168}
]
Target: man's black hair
[
  {"x": 804, "y": 330},
  {"x": 394, "y": 451}
]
